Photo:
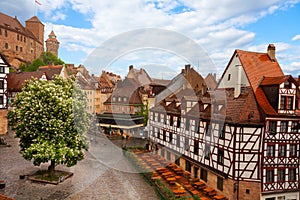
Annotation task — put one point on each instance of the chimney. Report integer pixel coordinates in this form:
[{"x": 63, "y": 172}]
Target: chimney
[
  {"x": 238, "y": 85},
  {"x": 187, "y": 68},
  {"x": 271, "y": 52},
  {"x": 130, "y": 67}
]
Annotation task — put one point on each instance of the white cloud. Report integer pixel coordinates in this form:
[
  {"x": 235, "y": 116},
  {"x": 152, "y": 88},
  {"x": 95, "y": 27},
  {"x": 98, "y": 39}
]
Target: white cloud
[
  {"x": 296, "y": 37},
  {"x": 217, "y": 26}
]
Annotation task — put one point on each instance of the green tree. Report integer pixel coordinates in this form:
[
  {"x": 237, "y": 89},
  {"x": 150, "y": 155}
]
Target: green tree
[
  {"x": 50, "y": 120},
  {"x": 44, "y": 59},
  {"x": 34, "y": 65},
  {"x": 48, "y": 58}
]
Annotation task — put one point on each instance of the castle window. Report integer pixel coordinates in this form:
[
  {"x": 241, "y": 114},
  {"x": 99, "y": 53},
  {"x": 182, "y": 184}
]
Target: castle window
[
  {"x": 1, "y": 69},
  {"x": 17, "y": 48},
  {"x": 24, "y": 39},
  {"x": 6, "y": 45},
  {"x": 1, "y": 84},
  {"x": 5, "y": 33},
  {"x": 1, "y": 100},
  {"x": 21, "y": 38},
  {"x": 21, "y": 49},
  {"x": 0, "y": 31},
  {"x": 17, "y": 36}
]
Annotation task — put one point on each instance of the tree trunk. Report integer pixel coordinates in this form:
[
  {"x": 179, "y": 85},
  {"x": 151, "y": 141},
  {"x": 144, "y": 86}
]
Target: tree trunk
[{"x": 51, "y": 168}]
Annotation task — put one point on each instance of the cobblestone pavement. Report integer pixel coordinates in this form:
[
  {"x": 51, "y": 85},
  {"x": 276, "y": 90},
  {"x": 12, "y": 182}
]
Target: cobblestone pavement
[{"x": 103, "y": 174}]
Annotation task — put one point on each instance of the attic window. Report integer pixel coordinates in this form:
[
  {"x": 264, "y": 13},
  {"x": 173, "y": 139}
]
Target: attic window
[
  {"x": 229, "y": 75},
  {"x": 287, "y": 84}
]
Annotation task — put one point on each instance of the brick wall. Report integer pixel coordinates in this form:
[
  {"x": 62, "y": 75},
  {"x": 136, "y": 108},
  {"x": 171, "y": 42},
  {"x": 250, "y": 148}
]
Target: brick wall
[{"x": 3, "y": 122}]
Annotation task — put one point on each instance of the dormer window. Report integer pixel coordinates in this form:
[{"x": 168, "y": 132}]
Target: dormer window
[
  {"x": 286, "y": 102},
  {"x": 287, "y": 84}
]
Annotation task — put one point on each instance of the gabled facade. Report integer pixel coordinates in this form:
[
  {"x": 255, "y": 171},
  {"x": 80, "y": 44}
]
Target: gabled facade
[
  {"x": 242, "y": 138},
  {"x": 124, "y": 107},
  {"x": 281, "y": 140},
  {"x": 106, "y": 82},
  {"x": 4, "y": 71}
]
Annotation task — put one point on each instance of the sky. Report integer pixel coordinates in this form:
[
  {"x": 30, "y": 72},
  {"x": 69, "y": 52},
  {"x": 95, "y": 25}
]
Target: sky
[{"x": 162, "y": 36}]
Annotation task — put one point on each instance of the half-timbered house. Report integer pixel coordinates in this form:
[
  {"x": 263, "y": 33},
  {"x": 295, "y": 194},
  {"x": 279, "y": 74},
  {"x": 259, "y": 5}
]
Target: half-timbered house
[
  {"x": 4, "y": 71},
  {"x": 242, "y": 138}
]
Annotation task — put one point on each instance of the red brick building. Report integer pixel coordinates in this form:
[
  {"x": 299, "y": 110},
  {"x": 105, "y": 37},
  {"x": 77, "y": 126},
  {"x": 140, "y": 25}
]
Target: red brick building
[{"x": 18, "y": 43}]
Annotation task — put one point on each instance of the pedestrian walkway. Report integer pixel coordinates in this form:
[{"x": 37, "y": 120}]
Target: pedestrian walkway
[{"x": 104, "y": 174}]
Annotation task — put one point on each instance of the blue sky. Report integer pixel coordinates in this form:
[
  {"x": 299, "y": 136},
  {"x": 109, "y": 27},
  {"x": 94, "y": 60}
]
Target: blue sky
[{"x": 217, "y": 27}]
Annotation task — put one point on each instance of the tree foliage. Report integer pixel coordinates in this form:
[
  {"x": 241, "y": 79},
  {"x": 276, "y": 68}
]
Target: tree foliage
[
  {"x": 45, "y": 58},
  {"x": 34, "y": 65},
  {"x": 50, "y": 120},
  {"x": 48, "y": 58}
]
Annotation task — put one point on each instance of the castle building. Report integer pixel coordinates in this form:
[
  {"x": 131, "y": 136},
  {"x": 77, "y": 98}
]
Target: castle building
[
  {"x": 52, "y": 44},
  {"x": 18, "y": 43}
]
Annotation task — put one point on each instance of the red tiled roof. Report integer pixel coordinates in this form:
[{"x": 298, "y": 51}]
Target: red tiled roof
[
  {"x": 277, "y": 80},
  {"x": 51, "y": 70},
  {"x": 15, "y": 80},
  {"x": 264, "y": 103},
  {"x": 256, "y": 65}
]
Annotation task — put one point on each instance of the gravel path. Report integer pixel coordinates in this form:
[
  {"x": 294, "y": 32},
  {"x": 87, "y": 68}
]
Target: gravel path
[{"x": 103, "y": 174}]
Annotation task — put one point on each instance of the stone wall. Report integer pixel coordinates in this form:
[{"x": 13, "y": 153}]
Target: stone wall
[{"x": 3, "y": 122}]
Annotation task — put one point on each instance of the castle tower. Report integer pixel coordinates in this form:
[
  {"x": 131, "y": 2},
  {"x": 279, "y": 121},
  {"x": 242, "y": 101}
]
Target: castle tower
[
  {"x": 52, "y": 44},
  {"x": 36, "y": 27}
]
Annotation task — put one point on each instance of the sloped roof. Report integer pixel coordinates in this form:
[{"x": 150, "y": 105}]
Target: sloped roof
[
  {"x": 34, "y": 19},
  {"x": 15, "y": 80},
  {"x": 51, "y": 70},
  {"x": 159, "y": 82},
  {"x": 14, "y": 24},
  {"x": 140, "y": 75},
  {"x": 127, "y": 88},
  {"x": 264, "y": 103},
  {"x": 277, "y": 80},
  {"x": 257, "y": 65},
  {"x": 52, "y": 37},
  {"x": 211, "y": 81}
]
